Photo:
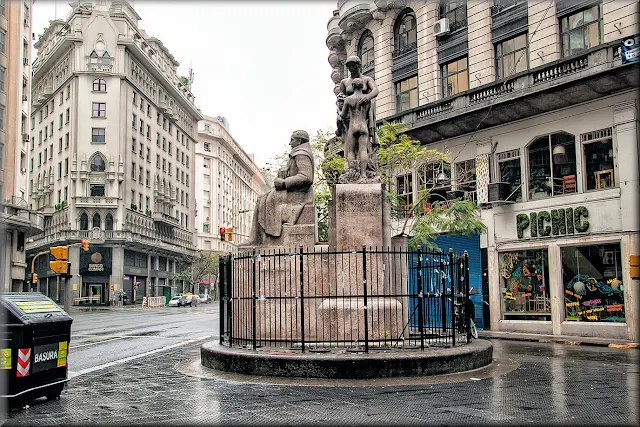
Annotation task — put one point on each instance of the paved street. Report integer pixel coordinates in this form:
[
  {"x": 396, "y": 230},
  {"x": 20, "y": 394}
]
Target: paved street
[{"x": 140, "y": 367}]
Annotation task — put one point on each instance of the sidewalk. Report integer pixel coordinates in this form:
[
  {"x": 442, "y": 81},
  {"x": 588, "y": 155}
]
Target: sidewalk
[
  {"x": 111, "y": 307},
  {"x": 561, "y": 339}
]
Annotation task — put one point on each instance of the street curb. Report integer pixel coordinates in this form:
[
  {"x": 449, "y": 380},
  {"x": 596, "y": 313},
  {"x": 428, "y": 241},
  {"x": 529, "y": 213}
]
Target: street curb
[{"x": 560, "y": 340}]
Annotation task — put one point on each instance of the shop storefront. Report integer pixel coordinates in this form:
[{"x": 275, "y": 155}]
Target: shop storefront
[{"x": 95, "y": 269}]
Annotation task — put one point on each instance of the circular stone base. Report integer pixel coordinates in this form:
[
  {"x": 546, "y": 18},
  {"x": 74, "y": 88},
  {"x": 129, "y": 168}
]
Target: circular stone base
[{"x": 387, "y": 364}]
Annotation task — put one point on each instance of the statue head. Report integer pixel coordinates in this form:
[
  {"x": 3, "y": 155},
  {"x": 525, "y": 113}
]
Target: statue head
[
  {"x": 299, "y": 137},
  {"x": 357, "y": 83},
  {"x": 353, "y": 64},
  {"x": 340, "y": 101}
]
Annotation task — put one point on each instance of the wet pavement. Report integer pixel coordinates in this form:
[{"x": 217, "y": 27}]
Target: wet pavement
[{"x": 535, "y": 383}]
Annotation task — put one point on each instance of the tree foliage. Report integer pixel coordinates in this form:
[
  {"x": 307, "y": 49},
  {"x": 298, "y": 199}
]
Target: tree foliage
[{"x": 201, "y": 267}]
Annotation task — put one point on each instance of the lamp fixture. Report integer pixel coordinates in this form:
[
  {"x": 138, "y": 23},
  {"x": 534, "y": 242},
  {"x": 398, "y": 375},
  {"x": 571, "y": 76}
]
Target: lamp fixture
[{"x": 559, "y": 150}]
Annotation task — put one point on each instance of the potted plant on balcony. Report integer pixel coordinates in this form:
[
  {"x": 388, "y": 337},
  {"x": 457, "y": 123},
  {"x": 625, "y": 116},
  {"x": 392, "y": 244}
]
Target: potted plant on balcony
[
  {"x": 148, "y": 212},
  {"x": 133, "y": 207}
]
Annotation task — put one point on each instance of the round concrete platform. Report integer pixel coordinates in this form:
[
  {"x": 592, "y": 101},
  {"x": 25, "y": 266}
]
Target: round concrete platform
[{"x": 375, "y": 364}]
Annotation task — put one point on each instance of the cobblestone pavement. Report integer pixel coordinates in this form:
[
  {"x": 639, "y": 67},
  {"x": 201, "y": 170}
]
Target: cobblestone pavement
[{"x": 553, "y": 384}]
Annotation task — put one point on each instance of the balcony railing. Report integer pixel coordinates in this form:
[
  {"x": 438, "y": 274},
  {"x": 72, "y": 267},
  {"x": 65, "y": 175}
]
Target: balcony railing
[
  {"x": 96, "y": 201},
  {"x": 598, "y": 62}
]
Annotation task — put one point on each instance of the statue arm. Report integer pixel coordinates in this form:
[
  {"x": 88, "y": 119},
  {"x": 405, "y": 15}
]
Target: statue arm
[
  {"x": 374, "y": 88},
  {"x": 344, "y": 114},
  {"x": 304, "y": 178}
]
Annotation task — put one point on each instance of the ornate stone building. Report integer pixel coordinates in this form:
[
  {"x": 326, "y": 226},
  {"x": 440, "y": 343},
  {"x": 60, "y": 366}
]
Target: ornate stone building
[
  {"x": 536, "y": 102},
  {"x": 111, "y": 157},
  {"x": 228, "y": 185},
  {"x": 17, "y": 221}
]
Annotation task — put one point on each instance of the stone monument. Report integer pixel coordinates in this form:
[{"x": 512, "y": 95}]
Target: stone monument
[{"x": 285, "y": 216}]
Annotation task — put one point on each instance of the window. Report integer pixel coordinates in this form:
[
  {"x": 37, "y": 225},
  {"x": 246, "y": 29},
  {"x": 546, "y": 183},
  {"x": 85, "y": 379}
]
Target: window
[
  {"x": 509, "y": 170},
  {"x": 99, "y": 109},
  {"x": 405, "y": 32},
  {"x": 59, "y": 170},
  {"x": 66, "y": 140},
  {"x": 465, "y": 177},
  {"x": 60, "y": 118},
  {"x": 84, "y": 222},
  {"x": 60, "y": 145},
  {"x": 133, "y": 170},
  {"x": 207, "y": 147},
  {"x": 592, "y": 279},
  {"x": 157, "y": 139},
  {"x": 141, "y": 103},
  {"x": 96, "y": 190},
  {"x": 134, "y": 97},
  {"x": 552, "y": 165},
  {"x": 141, "y": 128},
  {"x": 45, "y": 155},
  {"x": 405, "y": 194},
  {"x": 46, "y": 132},
  {"x": 108, "y": 222},
  {"x": 598, "y": 159},
  {"x": 581, "y": 31},
  {"x": 3, "y": 10},
  {"x": 93, "y": 58},
  {"x": 456, "y": 12},
  {"x": 66, "y": 166},
  {"x": 50, "y": 151},
  {"x": 148, "y": 110},
  {"x": 68, "y": 91},
  {"x": 511, "y": 56},
  {"x": 148, "y": 155},
  {"x": 525, "y": 289},
  {"x": 407, "y": 94},
  {"x": 3, "y": 41},
  {"x": 205, "y": 228},
  {"x": 133, "y": 145},
  {"x": 455, "y": 77},
  {"x": 95, "y": 222},
  {"x": 141, "y": 152},
  {"x": 147, "y": 179},
  {"x": 106, "y": 59},
  {"x": 134, "y": 120},
  {"x": 97, "y": 135},
  {"x": 148, "y": 132},
  {"x": 51, "y": 128},
  {"x": 99, "y": 85},
  {"x": 97, "y": 164},
  {"x": 365, "y": 50},
  {"x": 66, "y": 116},
  {"x": 2, "y": 74}
]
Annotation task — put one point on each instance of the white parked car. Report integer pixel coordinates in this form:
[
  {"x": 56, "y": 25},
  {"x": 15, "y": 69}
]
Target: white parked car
[
  {"x": 203, "y": 299},
  {"x": 177, "y": 301}
]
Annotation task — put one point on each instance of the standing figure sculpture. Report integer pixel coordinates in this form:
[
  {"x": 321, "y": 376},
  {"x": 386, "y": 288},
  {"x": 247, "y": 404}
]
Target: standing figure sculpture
[
  {"x": 291, "y": 193},
  {"x": 369, "y": 91},
  {"x": 356, "y": 140}
]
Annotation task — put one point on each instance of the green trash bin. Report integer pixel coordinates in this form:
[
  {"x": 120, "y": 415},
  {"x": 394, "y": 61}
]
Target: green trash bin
[{"x": 33, "y": 351}]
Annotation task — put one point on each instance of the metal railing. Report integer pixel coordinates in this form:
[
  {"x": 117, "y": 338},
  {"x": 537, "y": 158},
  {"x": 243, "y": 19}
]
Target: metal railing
[{"x": 321, "y": 299}]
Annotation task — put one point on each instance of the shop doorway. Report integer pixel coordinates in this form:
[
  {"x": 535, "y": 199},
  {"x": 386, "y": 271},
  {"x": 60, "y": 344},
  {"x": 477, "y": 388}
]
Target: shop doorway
[
  {"x": 166, "y": 290},
  {"x": 96, "y": 294}
]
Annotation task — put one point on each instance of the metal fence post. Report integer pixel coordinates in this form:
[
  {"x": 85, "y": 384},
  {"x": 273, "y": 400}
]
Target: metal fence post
[
  {"x": 420, "y": 299},
  {"x": 301, "y": 299},
  {"x": 452, "y": 283},
  {"x": 366, "y": 309},
  {"x": 229, "y": 285},
  {"x": 223, "y": 272},
  {"x": 443, "y": 297},
  {"x": 253, "y": 300},
  {"x": 467, "y": 291}
]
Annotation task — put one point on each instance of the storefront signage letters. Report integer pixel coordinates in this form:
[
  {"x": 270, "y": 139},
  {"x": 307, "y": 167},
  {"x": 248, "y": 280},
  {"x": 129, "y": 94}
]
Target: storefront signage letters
[
  {"x": 630, "y": 50},
  {"x": 557, "y": 222},
  {"x": 45, "y": 357}
]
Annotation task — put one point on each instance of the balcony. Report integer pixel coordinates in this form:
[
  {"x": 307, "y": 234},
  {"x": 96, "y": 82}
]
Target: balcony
[
  {"x": 354, "y": 15},
  {"x": 18, "y": 217},
  {"x": 166, "y": 219},
  {"x": 568, "y": 81},
  {"x": 96, "y": 202},
  {"x": 99, "y": 66},
  {"x": 334, "y": 39}
]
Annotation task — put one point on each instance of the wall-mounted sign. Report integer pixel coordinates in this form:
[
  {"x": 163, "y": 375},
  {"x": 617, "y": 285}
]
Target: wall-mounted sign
[
  {"x": 557, "y": 222},
  {"x": 630, "y": 50},
  {"x": 95, "y": 262}
]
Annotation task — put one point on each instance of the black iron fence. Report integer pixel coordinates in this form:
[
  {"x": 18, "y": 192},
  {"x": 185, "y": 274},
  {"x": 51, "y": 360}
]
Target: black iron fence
[{"x": 363, "y": 300}]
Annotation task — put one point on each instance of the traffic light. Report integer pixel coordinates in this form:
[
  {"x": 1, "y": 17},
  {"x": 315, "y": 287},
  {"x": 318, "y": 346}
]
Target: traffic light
[
  {"x": 60, "y": 252},
  {"x": 34, "y": 278},
  {"x": 223, "y": 232},
  {"x": 59, "y": 267},
  {"x": 85, "y": 244}
]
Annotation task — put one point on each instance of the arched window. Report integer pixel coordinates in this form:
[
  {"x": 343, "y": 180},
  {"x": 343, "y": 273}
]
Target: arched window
[
  {"x": 106, "y": 59},
  {"x": 84, "y": 222},
  {"x": 405, "y": 32},
  {"x": 99, "y": 85},
  {"x": 108, "y": 222},
  {"x": 365, "y": 50},
  {"x": 96, "y": 222},
  {"x": 93, "y": 58},
  {"x": 97, "y": 163}
]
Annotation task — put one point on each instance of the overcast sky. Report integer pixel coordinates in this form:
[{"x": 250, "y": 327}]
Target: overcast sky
[{"x": 262, "y": 65}]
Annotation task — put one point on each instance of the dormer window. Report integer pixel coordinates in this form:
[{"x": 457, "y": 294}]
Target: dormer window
[
  {"x": 106, "y": 59},
  {"x": 93, "y": 58}
]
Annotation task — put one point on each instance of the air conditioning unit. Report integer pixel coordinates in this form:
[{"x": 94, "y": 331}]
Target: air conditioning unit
[
  {"x": 441, "y": 27},
  {"x": 25, "y": 61},
  {"x": 499, "y": 191},
  {"x": 26, "y": 137},
  {"x": 26, "y": 23}
]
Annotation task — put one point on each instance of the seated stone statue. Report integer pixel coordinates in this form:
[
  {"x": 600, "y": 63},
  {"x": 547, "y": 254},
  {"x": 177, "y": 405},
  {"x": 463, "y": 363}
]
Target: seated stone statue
[{"x": 293, "y": 192}]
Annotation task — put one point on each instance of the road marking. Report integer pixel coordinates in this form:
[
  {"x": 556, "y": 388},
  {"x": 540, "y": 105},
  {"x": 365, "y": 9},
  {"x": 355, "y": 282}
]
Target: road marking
[
  {"x": 137, "y": 356},
  {"x": 113, "y": 339}
]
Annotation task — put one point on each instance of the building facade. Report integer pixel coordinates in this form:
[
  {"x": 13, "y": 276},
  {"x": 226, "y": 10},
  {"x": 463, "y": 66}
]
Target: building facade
[
  {"x": 113, "y": 134},
  {"x": 17, "y": 221},
  {"x": 536, "y": 104},
  {"x": 227, "y": 187}
]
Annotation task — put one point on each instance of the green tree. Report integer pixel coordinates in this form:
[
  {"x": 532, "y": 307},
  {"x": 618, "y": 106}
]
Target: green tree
[
  {"x": 200, "y": 267},
  {"x": 400, "y": 154},
  {"x": 184, "y": 80}
]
